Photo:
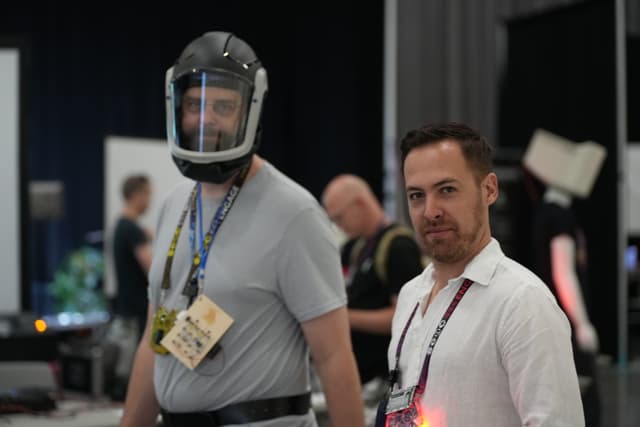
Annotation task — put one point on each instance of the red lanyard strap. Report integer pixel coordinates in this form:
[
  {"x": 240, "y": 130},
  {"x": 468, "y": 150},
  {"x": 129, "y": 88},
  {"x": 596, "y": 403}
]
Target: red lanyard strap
[{"x": 443, "y": 322}]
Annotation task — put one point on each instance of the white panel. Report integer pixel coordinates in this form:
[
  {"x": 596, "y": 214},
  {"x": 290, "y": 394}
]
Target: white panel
[
  {"x": 124, "y": 156},
  {"x": 9, "y": 181},
  {"x": 633, "y": 188}
]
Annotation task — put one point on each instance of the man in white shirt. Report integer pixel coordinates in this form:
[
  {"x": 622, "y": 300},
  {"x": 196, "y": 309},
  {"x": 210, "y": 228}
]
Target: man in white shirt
[{"x": 477, "y": 339}]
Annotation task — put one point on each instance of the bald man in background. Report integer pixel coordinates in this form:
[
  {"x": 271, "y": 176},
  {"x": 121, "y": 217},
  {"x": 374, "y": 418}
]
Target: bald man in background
[{"x": 378, "y": 258}]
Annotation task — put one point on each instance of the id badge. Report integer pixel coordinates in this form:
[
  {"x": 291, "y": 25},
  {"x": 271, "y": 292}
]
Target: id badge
[
  {"x": 400, "y": 399},
  {"x": 197, "y": 331},
  {"x": 163, "y": 321},
  {"x": 403, "y": 409}
]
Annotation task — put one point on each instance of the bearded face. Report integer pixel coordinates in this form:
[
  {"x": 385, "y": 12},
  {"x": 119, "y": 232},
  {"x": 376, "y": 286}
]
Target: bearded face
[
  {"x": 448, "y": 205},
  {"x": 210, "y": 119},
  {"x": 447, "y": 240},
  {"x": 208, "y": 139}
]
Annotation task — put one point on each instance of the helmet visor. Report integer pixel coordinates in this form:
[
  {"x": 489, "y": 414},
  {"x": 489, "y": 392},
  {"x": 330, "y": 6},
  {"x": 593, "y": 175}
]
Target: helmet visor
[{"x": 210, "y": 111}]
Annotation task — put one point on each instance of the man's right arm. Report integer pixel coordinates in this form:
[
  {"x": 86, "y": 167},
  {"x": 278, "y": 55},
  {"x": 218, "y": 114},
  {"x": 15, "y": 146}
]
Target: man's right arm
[
  {"x": 143, "y": 255},
  {"x": 141, "y": 406}
]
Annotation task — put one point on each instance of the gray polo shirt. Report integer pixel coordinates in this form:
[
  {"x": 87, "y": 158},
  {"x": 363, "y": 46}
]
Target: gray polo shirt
[{"x": 274, "y": 264}]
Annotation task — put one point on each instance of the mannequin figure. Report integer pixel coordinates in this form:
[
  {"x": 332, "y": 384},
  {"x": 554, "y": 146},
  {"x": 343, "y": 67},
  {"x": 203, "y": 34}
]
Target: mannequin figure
[
  {"x": 566, "y": 169},
  {"x": 564, "y": 250}
]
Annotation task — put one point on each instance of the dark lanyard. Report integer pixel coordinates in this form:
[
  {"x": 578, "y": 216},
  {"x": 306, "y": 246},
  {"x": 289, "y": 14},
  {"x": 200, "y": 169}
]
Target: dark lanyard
[
  {"x": 206, "y": 241},
  {"x": 367, "y": 250},
  {"x": 443, "y": 322}
]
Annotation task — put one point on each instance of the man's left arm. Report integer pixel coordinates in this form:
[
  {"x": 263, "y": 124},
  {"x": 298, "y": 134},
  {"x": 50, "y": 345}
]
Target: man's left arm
[
  {"x": 534, "y": 337},
  {"x": 313, "y": 289},
  {"x": 330, "y": 344}
]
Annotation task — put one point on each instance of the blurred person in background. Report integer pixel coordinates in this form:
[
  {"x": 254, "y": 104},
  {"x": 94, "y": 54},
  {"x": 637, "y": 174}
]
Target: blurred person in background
[
  {"x": 560, "y": 245},
  {"x": 379, "y": 257},
  {"x": 131, "y": 246}
]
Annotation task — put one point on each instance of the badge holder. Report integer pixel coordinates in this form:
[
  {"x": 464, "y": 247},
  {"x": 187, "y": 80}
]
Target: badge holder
[
  {"x": 197, "y": 331},
  {"x": 403, "y": 409},
  {"x": 163, "y": 321}
]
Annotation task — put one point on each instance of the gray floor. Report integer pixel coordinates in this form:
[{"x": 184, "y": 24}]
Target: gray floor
[{"x": 620, "y": 395}]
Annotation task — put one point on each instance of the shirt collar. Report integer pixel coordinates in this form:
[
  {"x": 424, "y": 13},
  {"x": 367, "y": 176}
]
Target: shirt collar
[
  {"x": 479, "y": 270},
  {"x": 482, "y": 267}
]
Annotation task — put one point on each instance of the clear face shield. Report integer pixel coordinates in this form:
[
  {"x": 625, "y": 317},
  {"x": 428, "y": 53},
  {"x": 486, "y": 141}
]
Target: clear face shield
[{"x": 208, "y": 116}]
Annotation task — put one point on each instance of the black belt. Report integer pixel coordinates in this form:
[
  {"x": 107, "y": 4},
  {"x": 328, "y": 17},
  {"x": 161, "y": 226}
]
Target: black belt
[{"x": 241, "y": 413}]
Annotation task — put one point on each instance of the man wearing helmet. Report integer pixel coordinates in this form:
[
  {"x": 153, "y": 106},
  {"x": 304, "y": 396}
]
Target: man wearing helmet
[
  {"x": 220, "y": 121},
  {"x": 237, "y": 302}
]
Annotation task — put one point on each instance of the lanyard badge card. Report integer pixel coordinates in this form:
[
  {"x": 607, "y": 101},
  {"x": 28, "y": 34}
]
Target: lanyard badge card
[
  {"x": 403, "y": 409},
  {"x": 197, "y": 331},
  {"x": 190, "y": 335}
]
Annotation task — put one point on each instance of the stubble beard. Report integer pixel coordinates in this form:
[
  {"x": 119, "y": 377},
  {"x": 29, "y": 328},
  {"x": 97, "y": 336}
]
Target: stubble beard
[
  {"x": 455, "y": 247},
  {"x": 213, "y": 140}
]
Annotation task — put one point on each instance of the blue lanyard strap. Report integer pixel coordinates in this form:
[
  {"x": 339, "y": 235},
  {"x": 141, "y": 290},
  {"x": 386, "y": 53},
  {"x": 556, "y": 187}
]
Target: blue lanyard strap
[
  {"x": 443, "y": 322},
  {"x": 200, "y": 257}
]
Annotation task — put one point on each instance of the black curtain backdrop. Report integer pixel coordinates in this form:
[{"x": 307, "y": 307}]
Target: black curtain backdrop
[
  {"x": 97, "y": 72},
  {"x": 560, "y": 76}
]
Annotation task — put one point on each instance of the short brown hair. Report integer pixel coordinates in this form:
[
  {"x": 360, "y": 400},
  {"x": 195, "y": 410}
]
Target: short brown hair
[
  {"x": 476, "y": 150},
  {"x": 132, "y": 184}
]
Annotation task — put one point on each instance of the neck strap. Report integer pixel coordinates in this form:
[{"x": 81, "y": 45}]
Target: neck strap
[
  {"x": 443, "y": 322},
  {"x": 216, "y": 223}
]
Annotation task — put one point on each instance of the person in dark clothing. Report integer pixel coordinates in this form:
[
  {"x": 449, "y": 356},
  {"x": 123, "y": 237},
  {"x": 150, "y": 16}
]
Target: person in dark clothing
[
  {"x": 555, "y": 225},
  {"x": 132, "y": 251},
  {"x": 379, "y": 257},
  {"x": 559, "y": 247}
]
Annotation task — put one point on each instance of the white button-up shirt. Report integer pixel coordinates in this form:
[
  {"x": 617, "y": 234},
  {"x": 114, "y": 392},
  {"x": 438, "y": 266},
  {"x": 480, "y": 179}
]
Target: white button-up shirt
[{"x": 503, "y": 359}]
